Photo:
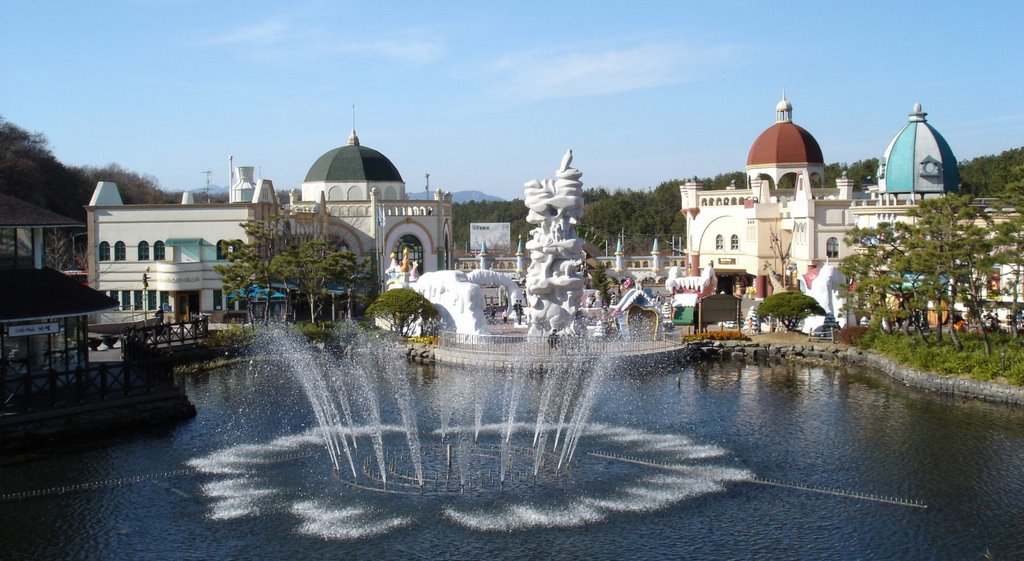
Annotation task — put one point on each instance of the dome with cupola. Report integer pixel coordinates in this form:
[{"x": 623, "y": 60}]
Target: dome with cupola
[
  {"x": 784, "y": 143},
  {"x": 352, "y": 172},
  {"x": 918, "y": 160}
]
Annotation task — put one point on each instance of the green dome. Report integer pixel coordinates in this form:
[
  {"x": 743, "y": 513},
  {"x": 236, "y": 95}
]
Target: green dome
[
  {"x": 918, "y": 160},
  {"x": 353, "y": 163}
]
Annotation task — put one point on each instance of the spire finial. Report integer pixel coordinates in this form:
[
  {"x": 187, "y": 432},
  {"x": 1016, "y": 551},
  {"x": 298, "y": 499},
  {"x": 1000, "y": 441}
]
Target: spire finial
[
  {"x": 783, "y": 109},
  {"x": 353, "y": 139},
  {"x": 917, "y": 115}
]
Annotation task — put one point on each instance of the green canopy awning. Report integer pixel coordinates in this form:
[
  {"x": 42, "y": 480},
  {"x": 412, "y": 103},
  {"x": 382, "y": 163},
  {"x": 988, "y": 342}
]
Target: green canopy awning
[{"x": 177, "y": 242}]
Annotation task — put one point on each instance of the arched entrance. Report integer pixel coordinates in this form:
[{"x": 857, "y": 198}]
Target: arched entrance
[{"x": 415, "y": 247}]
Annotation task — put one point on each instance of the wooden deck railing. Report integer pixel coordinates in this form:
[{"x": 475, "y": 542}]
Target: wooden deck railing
[{"x": 105, "y": 381}]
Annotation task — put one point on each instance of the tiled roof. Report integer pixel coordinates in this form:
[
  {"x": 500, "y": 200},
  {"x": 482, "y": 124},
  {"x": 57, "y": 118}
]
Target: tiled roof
[{"x": 18, "y": 213}]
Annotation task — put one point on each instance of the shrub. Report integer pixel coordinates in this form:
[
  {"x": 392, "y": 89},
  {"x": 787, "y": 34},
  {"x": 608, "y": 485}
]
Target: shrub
[
  {"x": 790, "y": 308},
  {"x": 852, "y": 334},
  {"x": 716, "y": 336},
  {"x": 316, "y": 332},
  {"x": 403, "y": 309},
  {"x": 1006, "y": 361},
  {"x": 432, "y": 340},
  {"x": 233, "y": 337}
]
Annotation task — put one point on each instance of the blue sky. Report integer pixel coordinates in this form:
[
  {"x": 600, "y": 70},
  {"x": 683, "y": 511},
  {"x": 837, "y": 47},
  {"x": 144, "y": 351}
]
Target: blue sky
[{"x": 488, "y": 95}]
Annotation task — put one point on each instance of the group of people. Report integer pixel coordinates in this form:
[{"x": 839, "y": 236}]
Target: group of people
[{"x": 517, "y": 313}]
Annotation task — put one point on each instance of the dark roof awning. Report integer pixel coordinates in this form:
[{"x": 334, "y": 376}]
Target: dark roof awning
[
  {"x": 15, "y": 213},
  {"x": 177, "y": 242},
  {"x": 46, "y": 293}
]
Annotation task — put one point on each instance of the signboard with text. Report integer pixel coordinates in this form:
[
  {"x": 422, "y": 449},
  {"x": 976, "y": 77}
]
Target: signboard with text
[
  {"x": 33, "y": 329},
  {"x": 496, "y": 235}
]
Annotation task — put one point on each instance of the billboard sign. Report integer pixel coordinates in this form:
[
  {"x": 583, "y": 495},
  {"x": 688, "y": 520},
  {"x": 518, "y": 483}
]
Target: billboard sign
[{"x": 496, "y": 235}]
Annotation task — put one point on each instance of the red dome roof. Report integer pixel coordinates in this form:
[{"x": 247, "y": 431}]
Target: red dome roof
[{"x": 785, "y": 143}]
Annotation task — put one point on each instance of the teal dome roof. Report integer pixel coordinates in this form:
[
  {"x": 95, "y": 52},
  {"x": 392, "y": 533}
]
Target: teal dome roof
[
  {"x": 918, "y": 160},
  {"x": 353, "y": 163}
]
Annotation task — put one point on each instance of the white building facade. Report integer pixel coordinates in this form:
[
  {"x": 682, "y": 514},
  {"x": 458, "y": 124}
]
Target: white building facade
[
  {"x": 162, "y": 256},
  {"x": 785, "y": 223}
]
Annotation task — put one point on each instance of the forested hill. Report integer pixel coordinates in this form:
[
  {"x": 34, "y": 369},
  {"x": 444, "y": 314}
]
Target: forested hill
[{"x": 30, "y": 172}]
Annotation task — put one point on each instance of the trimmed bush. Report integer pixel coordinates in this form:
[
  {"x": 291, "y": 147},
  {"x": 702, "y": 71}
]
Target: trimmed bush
[
  {"x": 790, "y": 308},
  {"x": 403, "y": 310}
]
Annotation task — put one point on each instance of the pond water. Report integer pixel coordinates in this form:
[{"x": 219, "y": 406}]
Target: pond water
[{"x": 666, "y": 465}]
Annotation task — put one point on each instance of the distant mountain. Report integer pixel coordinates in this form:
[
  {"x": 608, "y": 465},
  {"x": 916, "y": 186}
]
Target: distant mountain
[
  {"x": 214, "y": 189},
  {"x": 457, "y": 196}
]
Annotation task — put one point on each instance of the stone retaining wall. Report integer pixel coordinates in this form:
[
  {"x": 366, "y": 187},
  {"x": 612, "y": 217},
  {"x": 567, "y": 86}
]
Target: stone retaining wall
[
  {"x": 422, "y": 353},
  {"x": 742, "y": 350}
]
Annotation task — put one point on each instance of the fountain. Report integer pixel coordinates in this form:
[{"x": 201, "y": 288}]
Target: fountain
[{"x": 508, "y": 449}]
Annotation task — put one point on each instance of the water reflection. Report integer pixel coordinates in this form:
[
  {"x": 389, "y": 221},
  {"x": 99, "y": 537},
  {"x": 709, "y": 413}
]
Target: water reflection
[{"x": 829, "y": 427}]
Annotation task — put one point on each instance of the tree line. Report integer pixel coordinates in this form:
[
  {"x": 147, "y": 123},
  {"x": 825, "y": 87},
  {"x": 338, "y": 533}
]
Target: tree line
[{"x": 30, "y": 172}]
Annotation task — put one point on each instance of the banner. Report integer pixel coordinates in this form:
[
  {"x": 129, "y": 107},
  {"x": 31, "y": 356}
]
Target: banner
[{"x": 496, "y": 235}]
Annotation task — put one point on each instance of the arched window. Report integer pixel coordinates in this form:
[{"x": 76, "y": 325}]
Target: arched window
[
  {"x": 222, "y": 250},
  {"x": 120, "y": 252},
  {"x": 104, "y": 252},
  {"x": 158, "y": 251},
  {"x": 719, "y": 242},
  {"x": 412, "y": 243},
  {"x": 734, "y": 242},
  {"x": 832, "y": 248},
  {"x": 143, "y": 251}
]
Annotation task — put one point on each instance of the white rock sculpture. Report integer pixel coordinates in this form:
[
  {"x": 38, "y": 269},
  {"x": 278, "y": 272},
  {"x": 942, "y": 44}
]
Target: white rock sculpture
[
  {"x": 459, "y": 302},
  {"x": 555, "y": 278},
  {"x": 827, "y": 288}
]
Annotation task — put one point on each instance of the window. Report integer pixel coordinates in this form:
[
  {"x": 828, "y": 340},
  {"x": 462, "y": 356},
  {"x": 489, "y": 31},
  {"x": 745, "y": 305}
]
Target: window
[
  {"x": 120, "y": 253},
  {"x": 734, "y": 242},
  {"x": 143, "y": 251},
  {"x": 104, "y": 252},
  {"x": 719, "y": 242},
  {"x": 224, "y": 247},
  {"x": 151, "y": 299},
  {"x": 137, "y": 300},
  {"x": 412, "y": 244},
  {"x": 16, "y": 247},
  {"x": 158, "y": 251},
  {"x": 218, "y": 299},
  {"x": 832, "y": 248}
]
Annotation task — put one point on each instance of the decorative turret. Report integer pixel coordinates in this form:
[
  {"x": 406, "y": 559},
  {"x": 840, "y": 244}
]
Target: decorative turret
[
  {"x": 520, "y": 257},
  {"x": 655, "y": 257},
  {"x": 484, "y": 261},
  {"x": 244, "y": 187},
  {"x": 619, "y": 264}
]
